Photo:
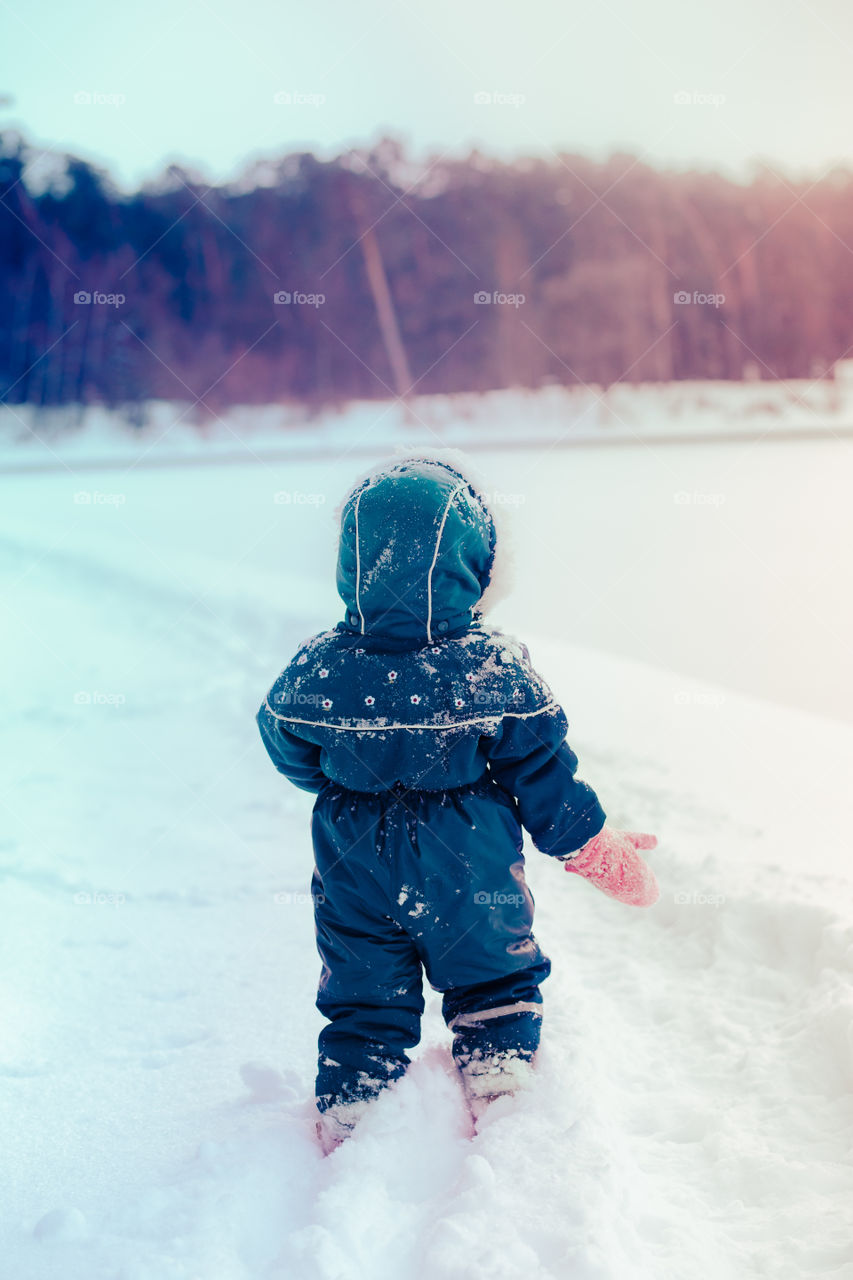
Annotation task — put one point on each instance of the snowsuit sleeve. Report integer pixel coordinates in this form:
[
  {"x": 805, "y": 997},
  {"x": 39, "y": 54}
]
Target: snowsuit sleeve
[
  {"x": 296, "y": 758},
  {"x": 530, "y": 758}
]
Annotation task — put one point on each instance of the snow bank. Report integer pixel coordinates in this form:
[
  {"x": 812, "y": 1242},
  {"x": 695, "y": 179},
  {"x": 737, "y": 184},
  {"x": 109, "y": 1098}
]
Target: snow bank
[{"x": 556, "y": 415}]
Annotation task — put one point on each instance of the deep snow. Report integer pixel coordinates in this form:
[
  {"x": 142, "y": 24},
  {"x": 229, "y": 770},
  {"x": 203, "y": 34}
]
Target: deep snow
[{"x": 692, "y": 1114}]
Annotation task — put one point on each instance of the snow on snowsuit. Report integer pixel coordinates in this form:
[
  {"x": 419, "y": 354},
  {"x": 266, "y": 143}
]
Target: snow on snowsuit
[{"x": 430, "y": 741}]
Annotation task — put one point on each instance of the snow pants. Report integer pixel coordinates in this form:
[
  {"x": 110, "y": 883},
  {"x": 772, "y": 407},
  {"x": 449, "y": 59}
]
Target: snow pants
[{"x": 411, "y": 881}]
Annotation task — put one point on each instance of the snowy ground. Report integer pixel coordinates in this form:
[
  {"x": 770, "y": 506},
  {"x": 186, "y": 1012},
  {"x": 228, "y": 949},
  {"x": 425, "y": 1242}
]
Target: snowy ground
[
  {"x": 554, "y": 417},
  {"x": 693, "y": 1111}
]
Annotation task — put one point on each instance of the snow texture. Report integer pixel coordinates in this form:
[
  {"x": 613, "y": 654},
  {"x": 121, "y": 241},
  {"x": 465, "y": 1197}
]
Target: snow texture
[
  {"x": 691, "y": 1111},
  {"x": 550, "y": 417}
]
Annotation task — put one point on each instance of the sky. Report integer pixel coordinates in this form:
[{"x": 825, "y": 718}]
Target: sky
[{"x": 214, "y": 85}]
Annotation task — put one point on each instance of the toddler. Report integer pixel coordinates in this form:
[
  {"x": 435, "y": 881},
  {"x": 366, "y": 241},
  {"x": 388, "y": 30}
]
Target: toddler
[{"x": 430, "y": 742}]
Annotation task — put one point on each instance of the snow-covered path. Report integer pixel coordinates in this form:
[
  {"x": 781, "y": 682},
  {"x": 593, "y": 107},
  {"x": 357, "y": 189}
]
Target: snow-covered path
[{"x": 693, "y": 1112}]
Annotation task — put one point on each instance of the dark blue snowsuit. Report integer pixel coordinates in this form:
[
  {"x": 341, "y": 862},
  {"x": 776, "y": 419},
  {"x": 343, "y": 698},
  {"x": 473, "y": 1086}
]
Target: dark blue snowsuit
[{"x": 430, "y": 741}]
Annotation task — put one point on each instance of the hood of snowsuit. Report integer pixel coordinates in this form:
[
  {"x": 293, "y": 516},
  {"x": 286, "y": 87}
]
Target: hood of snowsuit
[{"x": 416, "y": 551}]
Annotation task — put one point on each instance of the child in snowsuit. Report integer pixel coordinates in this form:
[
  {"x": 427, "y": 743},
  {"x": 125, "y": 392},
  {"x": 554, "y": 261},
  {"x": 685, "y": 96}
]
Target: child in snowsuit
[{"x": 430, "y": 742}]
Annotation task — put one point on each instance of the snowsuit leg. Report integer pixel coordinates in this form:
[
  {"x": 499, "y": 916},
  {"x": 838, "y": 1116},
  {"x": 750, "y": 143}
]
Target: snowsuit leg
[
  {"x": 497, "y": 1018},
  {"x": 370, "y": 984},
  {"x": 371, "y": 992},
  {"x": 499, "y": 1013},
  {"x": 412, "y": 878}
]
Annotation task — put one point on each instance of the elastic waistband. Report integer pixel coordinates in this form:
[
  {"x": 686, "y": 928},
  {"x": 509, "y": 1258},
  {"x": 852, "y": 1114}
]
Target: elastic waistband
[{"x": 408, "y": 810}]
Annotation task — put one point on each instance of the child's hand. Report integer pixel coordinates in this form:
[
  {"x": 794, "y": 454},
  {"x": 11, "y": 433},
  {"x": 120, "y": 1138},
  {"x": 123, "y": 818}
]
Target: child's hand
[{"x": 611, "y": 862}]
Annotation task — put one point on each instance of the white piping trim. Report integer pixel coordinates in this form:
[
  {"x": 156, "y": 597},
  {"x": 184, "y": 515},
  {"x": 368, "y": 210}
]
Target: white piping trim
[
  {"x": 358, "y": 563},
  {"x": 381, "y": 728},
  {"x": 471, "y": 1019},
  {"x": 463, "y": 484}
]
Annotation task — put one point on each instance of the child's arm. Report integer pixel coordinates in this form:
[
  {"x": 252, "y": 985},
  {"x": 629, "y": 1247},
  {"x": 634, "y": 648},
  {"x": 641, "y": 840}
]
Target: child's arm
[
  {"x": 296, "y": 758},
  {"x": 531, "y": 759}
]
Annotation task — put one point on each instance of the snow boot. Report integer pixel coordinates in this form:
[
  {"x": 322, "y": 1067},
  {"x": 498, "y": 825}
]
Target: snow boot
[
  {"x": 485, "y": 1078},
  {"x": 495, "y": 1054},
  {"x": 338, "y": 1122},
  {"x": 341, "y": 1110}
]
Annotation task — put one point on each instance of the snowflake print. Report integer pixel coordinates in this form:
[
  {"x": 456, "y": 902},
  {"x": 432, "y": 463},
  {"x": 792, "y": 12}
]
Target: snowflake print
[
  {"x": 359, "y": 651},
  {"x": 392, "y": 676},
  {"x": 326, "y": 703},
  {"x": 415, "y": 698},
  {"x": 369, "y": 700},
  {"x": 469, "y": 676},
  {"x": 323, "y": 672},
  {"x": 301, "y": 660},
  {"x": 458, "y": 702}
]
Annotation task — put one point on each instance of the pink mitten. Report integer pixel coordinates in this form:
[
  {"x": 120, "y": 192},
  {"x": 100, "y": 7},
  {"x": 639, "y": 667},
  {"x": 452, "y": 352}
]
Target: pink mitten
[{"x": 611, "y": 862}]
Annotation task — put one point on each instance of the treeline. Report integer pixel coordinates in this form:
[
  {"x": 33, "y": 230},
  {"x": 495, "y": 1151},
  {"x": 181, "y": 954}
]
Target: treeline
[{"x": 366, "y": 275}]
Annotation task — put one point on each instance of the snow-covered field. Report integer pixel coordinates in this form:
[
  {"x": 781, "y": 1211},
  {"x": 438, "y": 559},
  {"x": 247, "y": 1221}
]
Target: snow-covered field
[
  {"x": 693, "y": 1112},
  {"x": 554, "y": 417}
]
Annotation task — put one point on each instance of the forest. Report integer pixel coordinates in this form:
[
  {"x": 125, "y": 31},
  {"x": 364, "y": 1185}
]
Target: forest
[{"x": 371, "y": 274}]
